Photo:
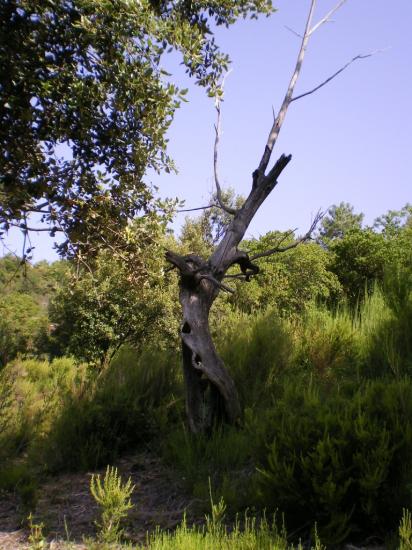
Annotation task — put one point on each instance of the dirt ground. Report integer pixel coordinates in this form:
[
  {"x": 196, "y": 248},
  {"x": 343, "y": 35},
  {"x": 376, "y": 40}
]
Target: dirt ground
[{"x": 68, "y": 510}]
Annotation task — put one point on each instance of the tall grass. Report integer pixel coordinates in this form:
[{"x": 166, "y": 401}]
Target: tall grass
[{"x": 246, "y": 535}]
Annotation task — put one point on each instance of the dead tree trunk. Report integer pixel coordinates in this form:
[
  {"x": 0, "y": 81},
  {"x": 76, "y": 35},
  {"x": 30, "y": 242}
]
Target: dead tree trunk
[{"x": 211, "y": 395}]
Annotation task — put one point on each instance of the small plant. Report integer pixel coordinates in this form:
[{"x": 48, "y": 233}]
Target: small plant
[
  {"x": 405, "y": 531},
  {"x": 36, "y": 537},
  {"x": 215, "y": 521},
  {"x": 113, "y": 497}
]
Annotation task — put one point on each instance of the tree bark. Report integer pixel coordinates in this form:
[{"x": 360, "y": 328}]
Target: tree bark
[{"x": 211, "y": 396}]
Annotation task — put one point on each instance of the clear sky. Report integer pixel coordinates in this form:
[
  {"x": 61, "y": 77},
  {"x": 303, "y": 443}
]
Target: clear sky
[{"x": 351, "y": 141}]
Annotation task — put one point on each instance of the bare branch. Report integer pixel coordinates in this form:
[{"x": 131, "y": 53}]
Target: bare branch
[
  {"x": 199, "y": 208},
  {"x": 274, "y": 132},
  {"x": 327, "y": 17},
  {"x": 219, "y": 197},
  {"x": 24, "y": 227},
  {"x": 293, "y": 32},
  {"x": 240, "y": 276},
  {"x": 217, "y": 283},
  {"x": 360, "y": 56},
  {"x": 304, "y": 238}
]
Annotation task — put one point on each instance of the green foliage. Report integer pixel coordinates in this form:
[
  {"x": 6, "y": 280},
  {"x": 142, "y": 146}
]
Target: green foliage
[
  {"x": 121, "y": 409},
  {"x": 390, "y": 345},
  {"x": 38, "y": 390},
  {"x": 96, "y": 313},
  {"x": 219, "y": 458},
  {"x": 246, "y": 534},
  {"x": 340, "y": 219},
  {"x": 362, "y": 258},
  {"x": 20, "y": 479},
  {"x": 23, "y": 326},
  {"x": 113, "y": 498},
  {"x": 85, "y": 106},
  {"x": 36, "y": 536},
  {"x": 329, "y": 343},
  {"x": 200, "y": 235},
  {"x": 405, "y": 531},
  {"x": 394, "y": 221},
  {"x": 25, "y": 293},
  {"x": 290, "y": 281},
  {"x": 258, "y": 350},
  {"x": 338, "y": 456}
]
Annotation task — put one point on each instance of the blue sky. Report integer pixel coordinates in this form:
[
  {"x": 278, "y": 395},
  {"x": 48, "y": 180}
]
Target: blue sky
[{"x": 351, "y": 141}]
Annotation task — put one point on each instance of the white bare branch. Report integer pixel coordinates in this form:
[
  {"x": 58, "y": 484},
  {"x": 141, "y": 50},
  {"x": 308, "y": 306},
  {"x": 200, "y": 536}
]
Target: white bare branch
[
  {"x": 327, "y": 17},
  {"x": 274, "y": 132},
  {"x": 219, "y": 197}
]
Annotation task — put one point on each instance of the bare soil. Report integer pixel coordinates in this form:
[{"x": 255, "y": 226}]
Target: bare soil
[{"x": 68, "y": 511}]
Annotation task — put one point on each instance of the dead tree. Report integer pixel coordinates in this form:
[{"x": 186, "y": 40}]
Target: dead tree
[{"x": 211, "y": 395}]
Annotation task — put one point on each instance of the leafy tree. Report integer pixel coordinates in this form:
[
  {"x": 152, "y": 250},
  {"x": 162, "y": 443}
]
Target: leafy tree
[
  {"x": 394, "y": 221},
  {"x": 339, "y": 220},
  {"x": 289, "y": 281},
  {"x": 39, "y": 280},
  {"x": 25, "y": 291},
  {"x": 23, "y": 326},
  {"x": 85, "y": 106},
  {"x": 99, "y": 311},
  {"x": 362, "y": 257}
]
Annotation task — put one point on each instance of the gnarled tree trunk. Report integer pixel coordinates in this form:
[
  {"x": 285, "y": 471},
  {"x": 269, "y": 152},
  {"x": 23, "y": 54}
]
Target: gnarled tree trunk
[{"x": 211, "y": 396}]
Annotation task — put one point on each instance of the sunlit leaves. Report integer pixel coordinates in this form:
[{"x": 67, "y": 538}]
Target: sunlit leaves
[{"x": 85, "y": 105}]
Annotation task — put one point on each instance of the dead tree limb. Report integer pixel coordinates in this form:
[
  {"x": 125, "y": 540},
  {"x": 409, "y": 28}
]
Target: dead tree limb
[
  {"x": 211, "y": 395},
  {"x": 338, "y": 72},
  {"x": 218, "y": 101}
]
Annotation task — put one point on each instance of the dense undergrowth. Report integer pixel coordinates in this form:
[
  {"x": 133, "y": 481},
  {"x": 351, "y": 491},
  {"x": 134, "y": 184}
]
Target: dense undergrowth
[{"x": 326, "y": 436}]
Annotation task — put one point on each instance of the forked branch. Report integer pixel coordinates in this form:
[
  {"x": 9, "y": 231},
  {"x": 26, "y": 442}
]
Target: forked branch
[
  {"x": 327, "y": 17},
  {"x": 306, "y": 237},
  {"x": 274, "y": 132},
  {"x": 277, "y": 125}
]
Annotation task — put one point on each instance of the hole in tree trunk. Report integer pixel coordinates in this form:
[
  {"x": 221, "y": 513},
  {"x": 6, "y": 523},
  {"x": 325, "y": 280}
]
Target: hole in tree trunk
[
  {"x": 198, "y": 360},
  {"x": 186, "y": 328}
]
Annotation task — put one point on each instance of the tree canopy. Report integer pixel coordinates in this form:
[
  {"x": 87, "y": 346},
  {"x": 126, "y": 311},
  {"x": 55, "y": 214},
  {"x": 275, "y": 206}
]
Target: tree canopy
[{"x": 85, "y": 105}]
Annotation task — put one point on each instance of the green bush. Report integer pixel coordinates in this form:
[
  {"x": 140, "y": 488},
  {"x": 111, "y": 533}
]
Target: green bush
[
  {"x": 258, "y": 350},
  {"x": 124, "y": 407},
  {"x": 390, "y": 344},
  {"x": 338, "y": 456}
]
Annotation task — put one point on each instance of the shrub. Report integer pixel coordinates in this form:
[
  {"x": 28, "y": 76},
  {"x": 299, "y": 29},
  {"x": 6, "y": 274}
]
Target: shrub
[
  {"x": 113, "y": 497},
  {"x": 258, "y": 351},
  {"x": 405, "y": 531},
  {"x": 338, "y": 456},
  {"x": 123, "y": 408}
]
